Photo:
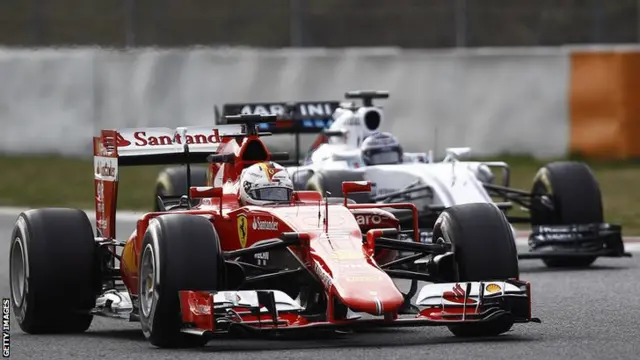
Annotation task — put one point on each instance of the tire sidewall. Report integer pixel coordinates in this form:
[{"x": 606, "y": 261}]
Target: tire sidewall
[
  {"x": 151, "y": 243},
  {"x": 20, "y": 236}
]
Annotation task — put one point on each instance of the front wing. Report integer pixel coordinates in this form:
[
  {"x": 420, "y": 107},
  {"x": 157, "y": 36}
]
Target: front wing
[
  {"x": 584, "y": 240},
  {"x": 565, "y": 241},
  {"x": 208, "y": 313}
]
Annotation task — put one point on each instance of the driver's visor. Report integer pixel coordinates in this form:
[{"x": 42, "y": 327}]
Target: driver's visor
[
  {"x": 271, "y": 194},
  {"x": 388, "y": 157}
]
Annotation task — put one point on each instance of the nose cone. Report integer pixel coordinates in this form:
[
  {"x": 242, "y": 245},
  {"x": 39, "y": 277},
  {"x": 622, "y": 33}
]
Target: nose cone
[{"x": 371, "y": 291}]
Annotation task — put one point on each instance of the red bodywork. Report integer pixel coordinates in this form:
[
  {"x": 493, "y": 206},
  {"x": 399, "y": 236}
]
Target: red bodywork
[
  {"x": 332, "y": 247},
  {"x": 336, "y": 251}
]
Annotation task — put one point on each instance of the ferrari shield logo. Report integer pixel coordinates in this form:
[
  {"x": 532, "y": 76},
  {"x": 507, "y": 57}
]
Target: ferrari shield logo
[{"x": 242, "y": 229}]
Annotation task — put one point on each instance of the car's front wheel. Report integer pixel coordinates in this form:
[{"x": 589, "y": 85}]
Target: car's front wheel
[
  {"x": 179, "y": 252},
  {"x": 484, "y": 249}
]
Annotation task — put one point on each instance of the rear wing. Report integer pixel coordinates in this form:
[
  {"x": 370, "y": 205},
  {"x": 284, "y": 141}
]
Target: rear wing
[
  {"x": 163, "y": 146},
  {"x": 309, "y": 117},
  {"x": 147, "y": 146}
]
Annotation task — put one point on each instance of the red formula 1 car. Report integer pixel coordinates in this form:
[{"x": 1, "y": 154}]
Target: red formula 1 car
[{"x": 188, "y": 273}]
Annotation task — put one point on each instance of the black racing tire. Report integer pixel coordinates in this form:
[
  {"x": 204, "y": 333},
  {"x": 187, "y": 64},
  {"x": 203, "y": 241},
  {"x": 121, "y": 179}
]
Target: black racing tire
[
  {"x": 575, "y": 195},
  {"x": 54, "y": 272},
  {"x": 172, "y": 181},
  {"x": 331, "y": 182},
  {"x": 484, "y": 249},
  {"x": 185, "y": 254}
]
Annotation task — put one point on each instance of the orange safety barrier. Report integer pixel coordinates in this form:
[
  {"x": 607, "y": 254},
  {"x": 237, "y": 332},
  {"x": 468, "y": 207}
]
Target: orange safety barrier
[{"x": 605, "y": 104}]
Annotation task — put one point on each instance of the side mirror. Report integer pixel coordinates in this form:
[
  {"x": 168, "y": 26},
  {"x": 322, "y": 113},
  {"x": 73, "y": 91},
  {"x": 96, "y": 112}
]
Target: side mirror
[
  {"x": 356, "y": 187},
  {"x": 457, "y": 153},
  {"x": 349, "y": 187},
  {"x": 201, "y": 192}
]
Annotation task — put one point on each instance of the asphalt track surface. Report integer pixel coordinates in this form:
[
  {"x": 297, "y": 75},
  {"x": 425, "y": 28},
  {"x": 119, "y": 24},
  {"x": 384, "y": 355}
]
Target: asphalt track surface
[{"x": 586, "y": 314}]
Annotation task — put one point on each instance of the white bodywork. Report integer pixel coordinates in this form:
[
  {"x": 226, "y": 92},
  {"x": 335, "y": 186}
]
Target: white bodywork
[{"x": 452, "y": 182}]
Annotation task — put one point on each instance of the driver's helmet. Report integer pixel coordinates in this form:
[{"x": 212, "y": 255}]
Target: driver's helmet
[
  {"x": 263, "y": 183},
  {"x": 381, "y": 148}
]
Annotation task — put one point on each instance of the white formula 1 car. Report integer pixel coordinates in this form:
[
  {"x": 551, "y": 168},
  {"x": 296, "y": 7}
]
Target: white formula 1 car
[{"x": 564, "y": 204}]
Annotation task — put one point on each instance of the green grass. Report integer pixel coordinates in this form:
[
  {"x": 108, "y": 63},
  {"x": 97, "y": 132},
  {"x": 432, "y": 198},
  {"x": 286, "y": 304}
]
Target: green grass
[{"x": 37, "y": 181}]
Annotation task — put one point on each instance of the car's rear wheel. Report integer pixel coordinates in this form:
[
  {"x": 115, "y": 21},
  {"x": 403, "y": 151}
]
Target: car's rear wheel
[
  {"x": 329, "y": 184},
  {"x": 573, "y": 193},
  {"x": 484, "y": 249},
  {"x": 179, "y": 252},
  {"x": 54, "y": 277},
  {"x": 172, "y": 181}
]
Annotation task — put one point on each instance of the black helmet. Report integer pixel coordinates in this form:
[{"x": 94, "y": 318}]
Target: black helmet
[{"x": 381, "y": 148}]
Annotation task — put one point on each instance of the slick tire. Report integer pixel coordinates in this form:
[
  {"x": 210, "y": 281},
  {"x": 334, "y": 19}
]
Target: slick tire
[
  {"x": 575, "y": 195},
  {"x": 54, "y": 276},
  {"x": 172, "y": 181},
  {"x": 179, "y": 252},
  {"x": 483, "y": 249},
  {"x": 331, "y": 182}
]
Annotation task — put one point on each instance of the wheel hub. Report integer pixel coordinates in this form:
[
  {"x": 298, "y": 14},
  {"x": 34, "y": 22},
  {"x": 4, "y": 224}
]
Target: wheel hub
[
  {"x": 147, "y": 280},
  {"x": 18, "y": 272}
]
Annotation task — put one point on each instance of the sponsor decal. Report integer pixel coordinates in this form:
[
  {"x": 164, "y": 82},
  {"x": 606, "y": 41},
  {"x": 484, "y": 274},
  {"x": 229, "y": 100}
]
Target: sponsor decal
[
  {"x": 142, "y": 139},
  {"x": 493, "y": 288},
  {"x": 457, "y": 295},
  {"x": 311, "y": 109},
  {"x": 362, "y": 278},
  {"x": 100, "y": 191},
  {"x": 247, "y": 186},
  {"x": 100, "y": 200},
  {"x": 368, "y": 220},
  {"x": 204, "y": 309},
  {"x": 346, "y": 255},
  {"x": 102, "y": 224},
  {"x": 259, "y": 224},
  {"x": 276, "y": 109},
  {"x": 324, "y": 277},
  {"x": 321, "y": 109},
  {"x": 261, "y": 258},
  {"x": 346, "y": 265},
  {"x": 106, "y": 168},
  {"x": 232, "y": 297},
  {"x": 242, "y": 229},
  {"x": 6, "y": 327},
  {"x": 121, "y": 141}
]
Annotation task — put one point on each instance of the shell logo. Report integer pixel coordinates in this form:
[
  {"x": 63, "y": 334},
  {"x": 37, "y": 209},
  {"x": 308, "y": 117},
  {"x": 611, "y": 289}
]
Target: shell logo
[
  {"x": 492, "y": 288},
  {"x": 347, "y": 255}
]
